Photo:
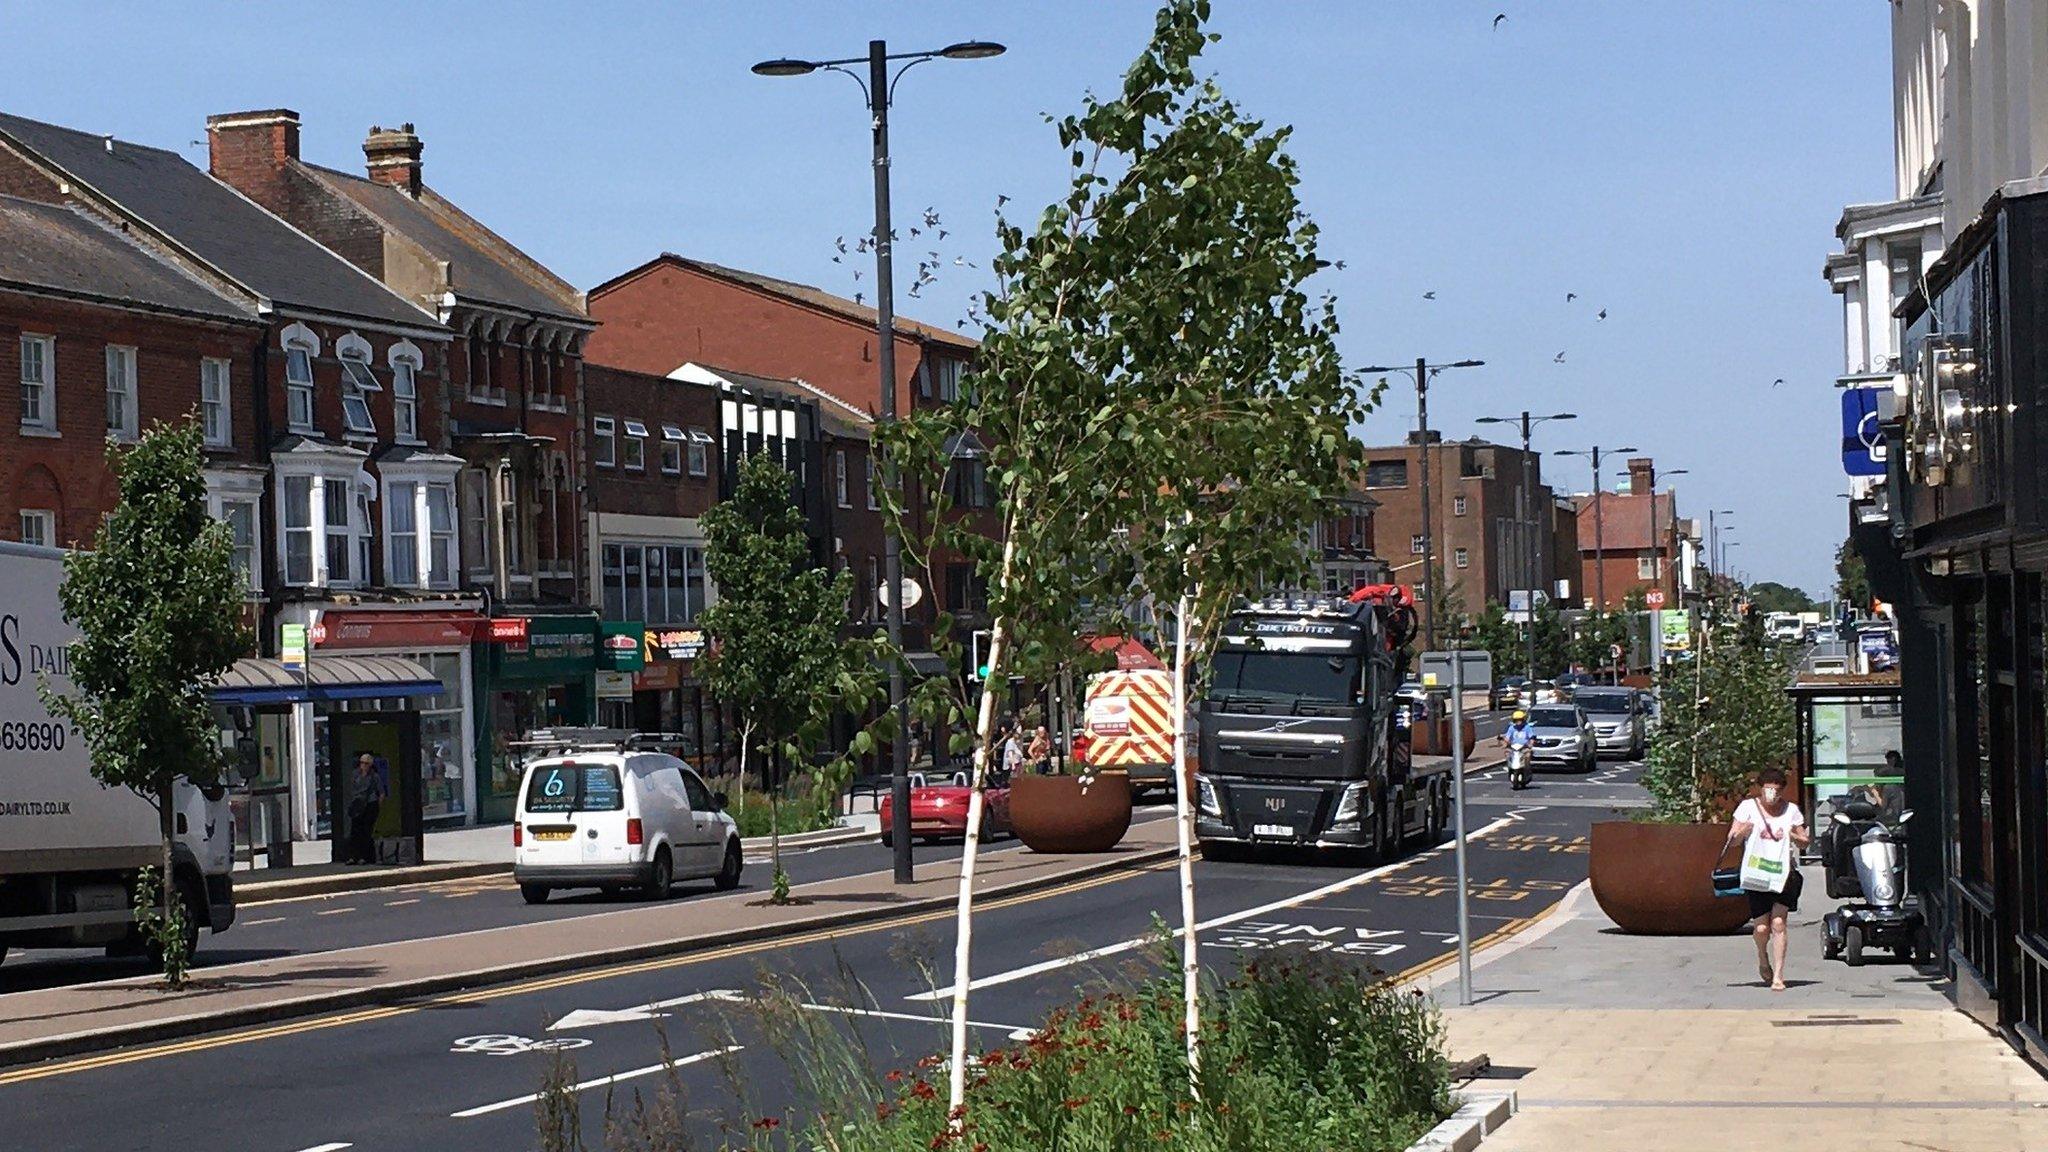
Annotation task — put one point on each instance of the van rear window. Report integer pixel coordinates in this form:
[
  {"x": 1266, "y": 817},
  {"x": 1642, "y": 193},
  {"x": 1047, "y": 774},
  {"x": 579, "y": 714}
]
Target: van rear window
[{"x": 574, "y": 788}]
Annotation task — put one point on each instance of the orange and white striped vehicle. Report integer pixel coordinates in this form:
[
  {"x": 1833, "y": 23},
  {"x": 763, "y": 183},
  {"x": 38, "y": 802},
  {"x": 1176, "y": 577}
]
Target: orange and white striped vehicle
[{"x": 1128, "y": 721}]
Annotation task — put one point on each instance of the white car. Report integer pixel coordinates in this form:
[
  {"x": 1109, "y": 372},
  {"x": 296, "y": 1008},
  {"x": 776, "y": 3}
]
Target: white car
[{"x": 620, "y": 819}]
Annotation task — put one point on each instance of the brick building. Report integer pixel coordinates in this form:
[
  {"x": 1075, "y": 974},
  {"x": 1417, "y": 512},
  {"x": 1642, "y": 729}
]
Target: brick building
[
  {"x": 1631, "y": 540},
  {"x": 1491, "y": 533}
]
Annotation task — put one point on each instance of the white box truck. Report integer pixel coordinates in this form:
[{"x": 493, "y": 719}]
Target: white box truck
[{"x": 69, "y": 848}]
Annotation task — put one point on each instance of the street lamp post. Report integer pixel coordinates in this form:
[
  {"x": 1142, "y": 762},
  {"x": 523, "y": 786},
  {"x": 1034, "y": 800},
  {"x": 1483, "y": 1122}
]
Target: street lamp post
[
  {"x": 1531, "y": 547},
  {"x": 1599, "y": 520},
  {"x": 879, "y": 89},
  {"x": 1714, "y": 544},
  {"x": 1422, "y": 374},
  {"x": 1657, "y": 542}
]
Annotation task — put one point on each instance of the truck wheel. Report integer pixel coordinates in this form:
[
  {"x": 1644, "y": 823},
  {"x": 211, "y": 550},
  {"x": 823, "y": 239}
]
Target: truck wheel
[
  {"x": 1438, "y": 802},
  {"x": 1384, "y": 844},
  {"x": 1223, "y": 851}
]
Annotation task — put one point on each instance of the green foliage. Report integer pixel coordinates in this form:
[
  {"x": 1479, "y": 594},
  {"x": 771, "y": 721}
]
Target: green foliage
[
  {"x": 778, "y": 892},
  {"x": 1592, "y": 645},
  {"x": 779, "y": 654},
  {"x": 1295, "y": 1056},
  {"x": 1704, "y": 756},
  {"x": 807, "y": 803},
  {"x": 1851, "y": 576},
  {"x": 158, "y": 607},
  {"x": 1770, "y": 596},
  {"x": 160, "y": 918}
]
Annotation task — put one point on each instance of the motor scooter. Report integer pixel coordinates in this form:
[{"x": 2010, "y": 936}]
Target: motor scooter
[
  {"x": 1886, "y": 917},
  {"x": 1518, "y": 767}
]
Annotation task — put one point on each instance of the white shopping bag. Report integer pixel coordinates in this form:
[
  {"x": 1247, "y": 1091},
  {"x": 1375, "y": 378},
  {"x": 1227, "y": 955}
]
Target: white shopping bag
[{"x": 1765, "y": 864}]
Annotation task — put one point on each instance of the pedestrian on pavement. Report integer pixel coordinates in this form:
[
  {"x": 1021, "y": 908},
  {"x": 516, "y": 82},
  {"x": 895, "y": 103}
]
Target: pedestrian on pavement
[
  {"x": 1040, "y": 752},
  {"x": 1769, "y": 825},
  {"x": 1013, "y": 749},
  {"x": 366, "y": 800}
]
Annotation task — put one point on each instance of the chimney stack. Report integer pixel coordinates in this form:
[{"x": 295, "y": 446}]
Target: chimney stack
[
  {"x": 249, "y": 149},
  {"x": 1642, "y": 476},
  {"x": 393, "y": 157}
]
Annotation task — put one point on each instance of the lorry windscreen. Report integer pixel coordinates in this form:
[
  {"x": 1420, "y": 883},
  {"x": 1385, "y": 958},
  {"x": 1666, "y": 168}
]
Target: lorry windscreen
[{"x": 1285, "y": 676}]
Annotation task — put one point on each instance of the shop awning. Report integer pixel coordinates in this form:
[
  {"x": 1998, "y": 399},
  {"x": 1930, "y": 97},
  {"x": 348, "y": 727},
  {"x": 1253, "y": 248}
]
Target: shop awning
[{"x": 256, "y": 681}]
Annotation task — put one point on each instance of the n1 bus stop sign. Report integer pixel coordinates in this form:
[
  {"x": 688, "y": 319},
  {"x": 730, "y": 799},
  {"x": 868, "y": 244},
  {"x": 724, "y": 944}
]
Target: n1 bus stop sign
[{"x": 1655, "y": 599}]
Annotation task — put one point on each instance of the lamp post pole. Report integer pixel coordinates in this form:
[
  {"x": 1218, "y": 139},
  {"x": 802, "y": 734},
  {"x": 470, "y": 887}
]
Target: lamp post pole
[
  {"x": 1599, "y": 521},
  {"x": 1532, "y": 548},
  {"x": 1422, "y": 373},
  {"x": 879, "y": 88}
]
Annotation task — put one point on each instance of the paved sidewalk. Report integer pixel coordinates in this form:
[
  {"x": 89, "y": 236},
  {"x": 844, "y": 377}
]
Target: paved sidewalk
[
  {"x": 1631, "y": 1042},
  {"x": 66, "y": 1020}
]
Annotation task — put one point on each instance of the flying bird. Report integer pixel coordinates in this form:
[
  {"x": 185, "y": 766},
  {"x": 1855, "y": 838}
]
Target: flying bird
[
  {"x": 840, "y": 241},
  {"x": 942, "y": 233},
  {"x": 931, "y": 218},
  {"x": 1778, "y": 381},
  {"x": 1602, "y": 315},
  {"x": 1339, "y": 265},
  {"x": 1498, "y": 19},
  {"x": 860, "y": 297},
  {"x": 1557, "y": 359},
  {"x": 1429, "y": 295},
  {"x": 1570, "y": 296},
  {"x": 1001, "y": 200}
]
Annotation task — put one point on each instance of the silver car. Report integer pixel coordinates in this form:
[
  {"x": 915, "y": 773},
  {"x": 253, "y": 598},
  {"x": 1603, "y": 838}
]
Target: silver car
[
  {"x": 1618, "y": 722},
  {"x": 1562, "y": 735}
]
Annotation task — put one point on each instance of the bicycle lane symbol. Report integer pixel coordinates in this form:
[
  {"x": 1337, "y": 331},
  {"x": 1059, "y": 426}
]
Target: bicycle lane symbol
[{"x": 507, "y": 1045}]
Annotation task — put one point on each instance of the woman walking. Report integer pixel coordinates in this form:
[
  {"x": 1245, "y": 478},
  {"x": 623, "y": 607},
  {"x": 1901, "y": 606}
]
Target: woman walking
[
  {"x": 1769, "y": 826},
  {"x": 1040, "y": 752}
]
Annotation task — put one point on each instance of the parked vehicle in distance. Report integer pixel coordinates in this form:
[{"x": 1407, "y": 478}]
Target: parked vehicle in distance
[
  {"x": 614, "y": 818},
  {"x": 70, "y": 850},
  {"x": 1569, "y": 684},
  {"x": 1784, "y": 627},
  {"x": 1507, "y": 691},
  {"x": 1539, "y": 692},
  {"x": 939, "y": 812},
  {"x": 1617, "y": 716},
  {"x": 1562, "y": 735},
  {"x": 1826, "y": 634}
]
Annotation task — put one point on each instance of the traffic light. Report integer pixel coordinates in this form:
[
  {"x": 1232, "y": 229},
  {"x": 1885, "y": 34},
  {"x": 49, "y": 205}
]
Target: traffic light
[{"x": 978, "y": 655}]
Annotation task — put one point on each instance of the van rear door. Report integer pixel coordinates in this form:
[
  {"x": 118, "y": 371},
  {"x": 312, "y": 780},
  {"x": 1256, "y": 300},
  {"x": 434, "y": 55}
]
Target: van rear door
[{"x": 575, "y": 813}]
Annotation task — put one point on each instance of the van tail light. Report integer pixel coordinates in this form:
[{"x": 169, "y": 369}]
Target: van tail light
[
  {"x": 518, "y": 834},
  {"x": 633, "y": 830}
]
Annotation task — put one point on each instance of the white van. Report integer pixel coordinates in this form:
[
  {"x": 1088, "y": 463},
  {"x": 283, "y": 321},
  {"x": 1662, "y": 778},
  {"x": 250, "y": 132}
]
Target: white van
[{"x": 620, "y": 819}]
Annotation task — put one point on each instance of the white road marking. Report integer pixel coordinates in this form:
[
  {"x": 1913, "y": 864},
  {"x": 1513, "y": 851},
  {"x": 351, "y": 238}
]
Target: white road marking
[
  {"x": 398, "y": 903},
  {"x": 326, "y": 1148},
  {"x": 334, "y": 912},
  {"x": 1016, "y": 1032},
  {"x": 586, "y": 1017},
  {"x": 270, "y": 920},
  {"x": 500, "y": 1106},
  {"x": 1326, "y": 890}
]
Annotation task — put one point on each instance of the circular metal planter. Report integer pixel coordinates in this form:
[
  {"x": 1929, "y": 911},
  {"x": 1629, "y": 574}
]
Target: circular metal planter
[
  {"x": 1059, "y": 814},
  {"x": 1654, "y": 879}
]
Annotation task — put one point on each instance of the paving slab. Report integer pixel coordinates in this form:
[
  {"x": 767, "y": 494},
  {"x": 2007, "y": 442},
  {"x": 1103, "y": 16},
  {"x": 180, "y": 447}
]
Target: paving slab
[{"x": 1627, "y": 1042}]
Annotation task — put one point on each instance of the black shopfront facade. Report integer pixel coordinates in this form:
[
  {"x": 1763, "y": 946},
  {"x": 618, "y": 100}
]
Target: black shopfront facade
[{"x": 1964, "y": 562}]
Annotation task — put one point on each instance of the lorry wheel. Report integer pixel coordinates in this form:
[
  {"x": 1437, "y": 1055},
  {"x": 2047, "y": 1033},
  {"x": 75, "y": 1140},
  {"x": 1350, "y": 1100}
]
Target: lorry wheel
[
  {"x": 1852, "y": 945},
  {"x": 1223, "y": 852},
  {"x": 1384, "y": 844},
  {"x": 534, "y": 893}
]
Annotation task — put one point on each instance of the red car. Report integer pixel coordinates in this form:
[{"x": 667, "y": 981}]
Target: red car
[{"x": 940, "y": 810}]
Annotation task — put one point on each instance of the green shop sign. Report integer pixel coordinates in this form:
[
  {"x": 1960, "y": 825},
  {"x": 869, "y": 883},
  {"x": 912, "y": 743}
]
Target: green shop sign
[
  {"x": 619, "y": 646},
  {"x": 558, "y": 649}
]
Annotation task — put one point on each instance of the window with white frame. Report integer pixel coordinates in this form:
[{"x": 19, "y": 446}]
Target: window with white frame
[
  {"x": 657, "y": 584},
  {"x": 948, "y": 373},
  {"x": 1646, "y": 565},
  {"x": 405, "y": 400},
  {"x": 298, "y": 529},
  {"x": 604, "y": 441},
  {"x": 874, "y": 492},
  {"x": 700, "y": 452},
  {"x": 475, "y": 519},
  {"x": 420, "y": 526},
  {"x": 839, "y": 489},
  {"x": 563, "y": 523},
  {"x": 325, "y": 523},
  {"x": 672, "y": 441},
  {"x": 39, "y": 527},
  {"x": 39, "y": 382},
  {"x": 634, "y": 456},
  {"x": 1415, "y": 544},
  {"x": 1461, "y": 558},
  {"x": 357, "y": 382},
  {"x": 122, "y": 421},
  {"x": 232, "y": 498},
  {"x": 1457, "y": 506},
  {"x": 216, "y": 417},
  {"x": 340, "y": 542},
  {"x": 298, "y": 387}
]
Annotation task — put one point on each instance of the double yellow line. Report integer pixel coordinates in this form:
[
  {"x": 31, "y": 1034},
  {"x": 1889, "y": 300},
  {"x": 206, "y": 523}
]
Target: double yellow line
[{"x": 483, "y": 995}]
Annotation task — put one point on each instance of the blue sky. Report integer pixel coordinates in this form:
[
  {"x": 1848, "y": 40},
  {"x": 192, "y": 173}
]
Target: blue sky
[{"x": 1681, "y": 165}]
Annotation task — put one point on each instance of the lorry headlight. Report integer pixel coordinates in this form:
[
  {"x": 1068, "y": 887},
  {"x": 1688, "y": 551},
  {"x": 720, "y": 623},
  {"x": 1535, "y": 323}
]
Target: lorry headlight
[
  {"x": 1205, "y": 798},
  {"x": 1349, "y": 807}
]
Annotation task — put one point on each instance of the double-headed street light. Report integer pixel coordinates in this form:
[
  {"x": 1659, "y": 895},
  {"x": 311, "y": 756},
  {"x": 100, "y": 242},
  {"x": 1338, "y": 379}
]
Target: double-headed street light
[
  {"x": 1422, "y": 374},
  {"x": 880, "y": 89},
  {"x": 1532, "y": 547},
  {"x": 1599, "y": 520},
  {"x": 1714, "y": 518}
]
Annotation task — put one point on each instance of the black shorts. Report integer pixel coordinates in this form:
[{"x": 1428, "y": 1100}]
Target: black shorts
[{"x": 1760, "y": 903}]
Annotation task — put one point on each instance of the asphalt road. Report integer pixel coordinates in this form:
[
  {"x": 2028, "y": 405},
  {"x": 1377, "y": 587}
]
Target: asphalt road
[{"x": 458, "y": 1072}]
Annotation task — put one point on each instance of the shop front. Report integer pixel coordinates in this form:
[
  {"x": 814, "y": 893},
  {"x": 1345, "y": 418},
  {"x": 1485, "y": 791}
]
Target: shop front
[
  {"x": 669, "y": 697},
  {"x": 533, "y": 672},
  {"x": 1963, "y": 562},
  {"x": 439, "y": 641}
]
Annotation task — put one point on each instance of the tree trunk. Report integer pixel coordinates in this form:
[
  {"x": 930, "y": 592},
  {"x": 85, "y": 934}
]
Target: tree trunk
[
  {"x": 1184, "y": 821},
  {"x": 964, "y": 928},
  {"x": 166, "y": 891},
  {"x": 775, "y": 818}
]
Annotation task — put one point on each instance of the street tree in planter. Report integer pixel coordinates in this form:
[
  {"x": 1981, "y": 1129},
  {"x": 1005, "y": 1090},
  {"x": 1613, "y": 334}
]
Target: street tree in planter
[
  {"x": 158, "y": 606},
  {"x": 780, "y": 657},
  {"x": 1157, "y": 406}
]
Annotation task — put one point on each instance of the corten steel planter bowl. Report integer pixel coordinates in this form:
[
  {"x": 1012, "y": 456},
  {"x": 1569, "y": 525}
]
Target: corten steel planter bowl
[
  {"x": 1654, "y": 879},
  {"x": 1057, "y": 814},
  {"x": 1435, "y": 739}
]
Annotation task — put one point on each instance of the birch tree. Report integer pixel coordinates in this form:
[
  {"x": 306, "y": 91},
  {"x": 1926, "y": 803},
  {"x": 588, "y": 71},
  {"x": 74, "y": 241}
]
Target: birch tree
[{"x": 1154, "y": 392}]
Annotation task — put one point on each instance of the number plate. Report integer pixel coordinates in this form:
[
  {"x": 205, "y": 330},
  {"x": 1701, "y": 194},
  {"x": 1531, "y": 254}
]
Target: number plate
[
  {"x": 553, "y": 834},
  {"x": 1278, "y": 831}
]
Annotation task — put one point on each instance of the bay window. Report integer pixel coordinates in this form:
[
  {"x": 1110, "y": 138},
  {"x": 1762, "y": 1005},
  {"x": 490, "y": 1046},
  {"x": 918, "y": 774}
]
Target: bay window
[
  {"x": 325, "y": 526},
  {"x": 420, "y": 526},
  {"x": 298, "y": 530}
]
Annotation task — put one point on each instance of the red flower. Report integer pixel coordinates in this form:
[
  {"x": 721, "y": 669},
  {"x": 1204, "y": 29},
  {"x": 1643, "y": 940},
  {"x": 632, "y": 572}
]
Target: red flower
[
  {"x": 767, "y": 1123},
  {"x": 923, "y": 1091},
  {"x": 895, "y": 1076},
  {"x": 1073, "y": 1103}
]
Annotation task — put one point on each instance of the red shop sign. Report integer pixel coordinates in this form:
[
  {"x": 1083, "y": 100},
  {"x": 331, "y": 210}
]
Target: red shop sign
[
  {"x": 396, "y": 630},
  {"x": 508, "y": 629}
]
